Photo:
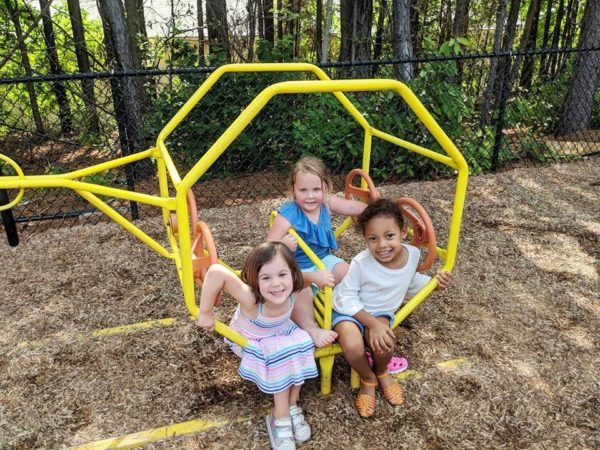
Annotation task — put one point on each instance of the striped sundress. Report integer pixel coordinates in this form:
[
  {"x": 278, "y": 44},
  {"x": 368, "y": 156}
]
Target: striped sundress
[{"x": 278, "y": 355}]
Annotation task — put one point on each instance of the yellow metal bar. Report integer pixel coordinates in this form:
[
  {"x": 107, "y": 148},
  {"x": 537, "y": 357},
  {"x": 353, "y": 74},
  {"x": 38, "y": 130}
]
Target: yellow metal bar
[
  {"x": 414, "y": 302},
  {"x": 52, "y": 181},
  {"x": 114, "y": 215},
  {"x": 343, "y": 227},
  {"x": 455, "y": 222},
  {"x": 415, "y": 148},
  {"x": 171, "y": 169}
]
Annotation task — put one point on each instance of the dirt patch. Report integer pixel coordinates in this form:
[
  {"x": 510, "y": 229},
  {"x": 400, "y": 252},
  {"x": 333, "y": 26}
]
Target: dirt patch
[{"x": 523, "y": 311}]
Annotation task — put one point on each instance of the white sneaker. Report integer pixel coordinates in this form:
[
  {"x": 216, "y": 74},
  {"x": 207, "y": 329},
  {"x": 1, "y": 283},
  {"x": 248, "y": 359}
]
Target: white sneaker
[
  {"x": 299, "y": 425},
  {"x": 280, "y": 433}
]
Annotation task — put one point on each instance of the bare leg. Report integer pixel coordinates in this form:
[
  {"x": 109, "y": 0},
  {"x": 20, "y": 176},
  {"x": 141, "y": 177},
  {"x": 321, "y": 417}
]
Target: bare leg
[
  {"x": 294, "y": 395},
  {"x": 339, "y": 271},
  {"x": 281, "y": 406},
  {"x": 304, "y": 316},
  {"x": 352, "y": 342},
  {"x": 382, "y": 360}
]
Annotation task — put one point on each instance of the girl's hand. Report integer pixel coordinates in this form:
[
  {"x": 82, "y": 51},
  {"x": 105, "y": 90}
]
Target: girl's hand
[
  {"x": 381, "y": 338},
  {"x": 444, "y": 280},
  {"x": 206, "y": 320},
  {"x": 290, "y": 242},
  {"x": 323, "y": 278}
]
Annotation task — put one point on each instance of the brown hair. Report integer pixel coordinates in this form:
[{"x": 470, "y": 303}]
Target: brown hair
[
  {"x": 315, "y": 166},
  {"x": 261, "y": 255},
  {"x": 382, "y": 207}
]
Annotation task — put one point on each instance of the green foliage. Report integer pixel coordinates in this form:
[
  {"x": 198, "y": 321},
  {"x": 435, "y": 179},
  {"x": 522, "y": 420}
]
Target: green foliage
[{"x": 282, "y": 51}]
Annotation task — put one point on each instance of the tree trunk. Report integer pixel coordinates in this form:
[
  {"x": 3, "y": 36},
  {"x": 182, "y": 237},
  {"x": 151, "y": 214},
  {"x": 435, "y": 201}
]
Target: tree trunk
[
  {"x": 64, "y": 109},
  {"x": 545, "y": 39},
  {"x": 381, "y": 13},
  {"x": 445, "y": 21},
  {"x": 35, "y": 109},
  {"x": 218, "y": 33},
  {"x": 279, "y": 19},
  {"x": 268, "y": 19},
  {"x": 363, "y": 21},
  {"x": 415, "y": 25},
  {"x": 401, "y": 39},
  {"x": 137, "y": 28},
  {"x": 327, "y": 31},
  {"x": 83, "y": 64},
  {"x": 251, "y": 9},
  {"x": 200, "y": 18},
  {"x": 489, "y": 96},
  {"x": 346, "y": 21},
  {"x": 319, "y": 30},
  {"x": 556, "y": 37},
  {"x": 460, "y": 28},
  {"x": 460, "y": 25},
  {"x": 120, "y": 50},
  {"x": 528, "y": 39},
  {"x": 577, "y": 111},
  {"x": 567, "y": 35}
]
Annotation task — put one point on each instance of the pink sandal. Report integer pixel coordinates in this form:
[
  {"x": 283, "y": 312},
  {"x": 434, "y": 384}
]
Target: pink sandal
[{"x": 396, "y": 365}]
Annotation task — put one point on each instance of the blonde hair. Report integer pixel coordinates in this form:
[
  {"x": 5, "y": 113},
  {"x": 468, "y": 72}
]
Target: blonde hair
[{"x": 314, "y": 166}]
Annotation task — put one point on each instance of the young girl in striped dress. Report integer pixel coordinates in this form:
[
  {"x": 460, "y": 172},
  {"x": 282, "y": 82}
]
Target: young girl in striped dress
[{"x": 279, "y": 355}]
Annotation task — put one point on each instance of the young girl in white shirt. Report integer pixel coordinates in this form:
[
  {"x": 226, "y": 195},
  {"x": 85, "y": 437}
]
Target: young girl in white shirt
[{"x": 365, "y": 302}]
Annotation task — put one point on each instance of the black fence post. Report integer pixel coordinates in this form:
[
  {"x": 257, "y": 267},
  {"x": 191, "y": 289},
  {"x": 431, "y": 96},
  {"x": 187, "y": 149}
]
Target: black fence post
[
  {"x": 7, "y": 219},
  {"x": 504, "y": 88}
]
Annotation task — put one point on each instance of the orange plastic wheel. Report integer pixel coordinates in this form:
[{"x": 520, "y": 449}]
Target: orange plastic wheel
[
  {"x": 192, "y": 212},
  {"x": 352, "y": 192},
  {"x": 422, "y": 228},
  {"x": 204, "y": 254}
]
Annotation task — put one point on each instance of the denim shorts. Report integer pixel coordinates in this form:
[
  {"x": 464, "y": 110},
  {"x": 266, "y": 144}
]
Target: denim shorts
[
  {"x": 330, "y": 261},
  {"x": 336, "y": 318}
]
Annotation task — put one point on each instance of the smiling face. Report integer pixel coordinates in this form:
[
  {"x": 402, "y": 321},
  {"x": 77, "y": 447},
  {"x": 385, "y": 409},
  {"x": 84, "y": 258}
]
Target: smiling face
[
  {"x": 275, "y": 281},
  {"x": 308, "y": 191},
  {"x": 384, "y": 240}
]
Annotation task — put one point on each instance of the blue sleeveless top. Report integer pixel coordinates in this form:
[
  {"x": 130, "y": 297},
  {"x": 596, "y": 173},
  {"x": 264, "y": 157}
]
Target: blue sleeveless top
[{"x": 318, "y": 236}]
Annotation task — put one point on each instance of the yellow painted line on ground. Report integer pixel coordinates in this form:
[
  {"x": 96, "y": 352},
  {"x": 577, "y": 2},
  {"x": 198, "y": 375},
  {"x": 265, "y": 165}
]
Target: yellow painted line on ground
[
  {"x": 157, "y": 434},
  {"x": 99, "y": 333},
  {"x": 451, "y": 364},
  {"x": 408, "y": 374}
]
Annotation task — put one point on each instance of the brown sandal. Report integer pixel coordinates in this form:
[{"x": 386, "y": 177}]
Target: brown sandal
[
  {"x": 393, "y": 393},
  {"x": 365, "y": 404}
]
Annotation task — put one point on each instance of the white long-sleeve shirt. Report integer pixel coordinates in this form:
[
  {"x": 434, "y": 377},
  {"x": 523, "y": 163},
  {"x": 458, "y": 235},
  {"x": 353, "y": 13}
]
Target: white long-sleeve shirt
[{"x": 370, "y": 286}]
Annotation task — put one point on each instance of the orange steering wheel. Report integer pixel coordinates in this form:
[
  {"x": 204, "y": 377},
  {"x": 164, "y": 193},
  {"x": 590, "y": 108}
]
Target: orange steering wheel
[
  {"x": 422, "y": 227},
  {"x": 352, "y": 192}
]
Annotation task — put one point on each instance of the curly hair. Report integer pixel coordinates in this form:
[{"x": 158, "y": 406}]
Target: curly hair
[{"x": 383, "y": 207}]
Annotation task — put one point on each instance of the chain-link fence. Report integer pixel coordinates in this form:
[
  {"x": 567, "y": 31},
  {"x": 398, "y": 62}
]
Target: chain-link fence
[{"x": 501, "y": 110}]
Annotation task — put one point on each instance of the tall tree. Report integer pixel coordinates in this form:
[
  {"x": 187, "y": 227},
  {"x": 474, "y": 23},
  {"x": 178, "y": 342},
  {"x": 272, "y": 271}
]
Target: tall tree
[
  {"x": 401, "y": 39},
  {"x": 269, "y": 23},
  {"x": 83, "y": 64},
  {"x": 13, "y": 12},
  {"x": 119, "y": 48},
  {"x": 415, "y": 24},
  {"x": 490, "y": 93},
  {"x": 60, "y": 92},
  {"x": 319, "y": 29},
  {"x": 216, "y": 21},
  {"x": 546, "y": 39},
  {"x": 251, "y": 10},
  {"x": 327, "y": 31},
  {"x": 200, "y": 20},
  {"x": 356, "y": 19},
  {"x": 381, "y": 15},
  {"x": 577, "y": 112},
  {"x": 528, "y": 40},
  {"x": 556, "y": 37},
  {"x": 460, "y": 25}
]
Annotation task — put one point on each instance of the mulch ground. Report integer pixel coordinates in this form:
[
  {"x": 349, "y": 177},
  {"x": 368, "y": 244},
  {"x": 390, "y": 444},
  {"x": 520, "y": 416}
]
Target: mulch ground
[{"x": 523, "y": 312}]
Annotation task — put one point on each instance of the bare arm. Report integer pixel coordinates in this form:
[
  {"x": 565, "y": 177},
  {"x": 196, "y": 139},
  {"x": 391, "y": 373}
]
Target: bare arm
[
  {"x": 279, "y": 232},
  {"x": 219, "y": 278},
  {"x": 346, "y": 207}
]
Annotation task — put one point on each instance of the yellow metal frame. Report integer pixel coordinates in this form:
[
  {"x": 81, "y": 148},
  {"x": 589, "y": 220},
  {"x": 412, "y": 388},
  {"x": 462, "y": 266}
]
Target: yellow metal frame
[{"x": 180, "y": 245}]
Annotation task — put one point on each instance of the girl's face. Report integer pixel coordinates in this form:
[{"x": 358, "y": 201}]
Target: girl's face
[
  {"x": 384, "y": 239},
  {"x": 308, "y": 191},
  {"x": 275, "y": 281}
]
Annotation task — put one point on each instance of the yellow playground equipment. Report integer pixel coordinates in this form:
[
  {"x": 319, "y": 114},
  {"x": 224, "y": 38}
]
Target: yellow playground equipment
[{"x": 190, "y": 243}]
